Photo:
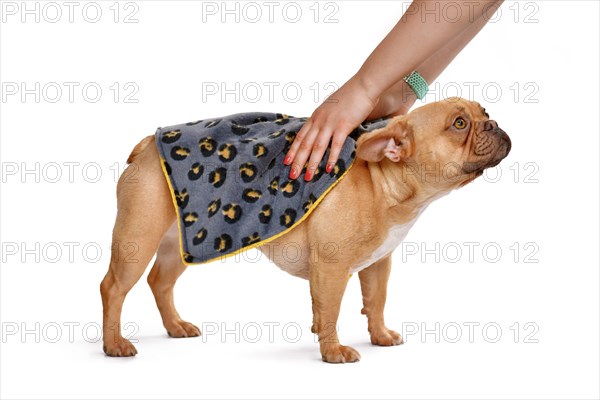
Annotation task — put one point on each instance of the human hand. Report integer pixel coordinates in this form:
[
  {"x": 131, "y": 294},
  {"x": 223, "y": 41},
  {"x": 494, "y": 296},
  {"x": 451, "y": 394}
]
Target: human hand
[{"x": 343, "y": 111}]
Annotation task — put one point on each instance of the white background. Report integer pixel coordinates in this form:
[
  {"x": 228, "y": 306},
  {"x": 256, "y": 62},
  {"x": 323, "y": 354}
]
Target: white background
[{"x": 546, "y": 201}]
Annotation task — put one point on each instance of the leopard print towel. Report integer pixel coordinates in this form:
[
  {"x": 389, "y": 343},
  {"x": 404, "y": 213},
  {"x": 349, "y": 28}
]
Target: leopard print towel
[{"x": 230, "y": 187}]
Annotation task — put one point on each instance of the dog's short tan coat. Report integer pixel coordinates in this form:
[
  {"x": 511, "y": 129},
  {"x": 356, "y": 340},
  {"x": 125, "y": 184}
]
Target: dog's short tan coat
[{"x": 399, "y": 171}]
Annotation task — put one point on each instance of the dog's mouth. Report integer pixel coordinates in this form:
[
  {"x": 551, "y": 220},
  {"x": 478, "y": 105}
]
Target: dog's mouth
[
  {"x": 503, "y": 148},
  {"x": 474, "y": 169}
]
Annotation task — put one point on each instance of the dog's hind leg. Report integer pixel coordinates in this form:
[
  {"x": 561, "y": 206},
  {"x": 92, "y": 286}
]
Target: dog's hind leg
[
  {"x": 167, "y": 268},
  {"x": 145, "y": 212}
]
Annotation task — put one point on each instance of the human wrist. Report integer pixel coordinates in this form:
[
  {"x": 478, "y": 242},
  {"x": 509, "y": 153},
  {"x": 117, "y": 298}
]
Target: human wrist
[
  {"x": 397, "y": 100},
  {"x": 369, "y": 87},
  {"x": 417, "y": 83},
  {"x": 405, "y": 96}
]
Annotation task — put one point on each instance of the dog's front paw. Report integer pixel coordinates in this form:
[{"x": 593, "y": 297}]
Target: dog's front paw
[
  {"x": 121, "y": 347},
  {"x": 182, "y": 329},
  {"x": 386, "y": 337},
  {"x": 340, "y": 354}
]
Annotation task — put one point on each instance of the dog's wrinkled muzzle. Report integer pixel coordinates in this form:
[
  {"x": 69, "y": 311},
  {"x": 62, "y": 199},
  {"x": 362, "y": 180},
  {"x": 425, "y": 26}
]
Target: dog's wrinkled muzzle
[{"x": 494, "y": 145}]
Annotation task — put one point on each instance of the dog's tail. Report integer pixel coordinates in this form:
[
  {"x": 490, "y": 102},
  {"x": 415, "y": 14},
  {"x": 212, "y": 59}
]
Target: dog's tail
[{"x": 139, "y": 148}]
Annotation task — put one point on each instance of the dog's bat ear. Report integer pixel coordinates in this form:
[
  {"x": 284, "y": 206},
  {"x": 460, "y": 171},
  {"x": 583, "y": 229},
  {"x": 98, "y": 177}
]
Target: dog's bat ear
[{"x": 394, "y": 142}]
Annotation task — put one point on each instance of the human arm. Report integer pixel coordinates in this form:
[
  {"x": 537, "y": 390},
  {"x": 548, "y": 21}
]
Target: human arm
[
  {"x": 412, "y": 38},
  {"x": 399, "y": 97}
]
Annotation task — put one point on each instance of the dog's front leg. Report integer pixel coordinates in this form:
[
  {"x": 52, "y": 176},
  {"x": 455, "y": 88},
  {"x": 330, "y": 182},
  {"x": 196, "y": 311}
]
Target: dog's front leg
[
  {"x": 373, "y": 284},
  {"x": 327, "y": 285}
]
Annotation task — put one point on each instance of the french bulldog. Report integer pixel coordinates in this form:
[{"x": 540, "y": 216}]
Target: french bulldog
[{"x": 398, "y": 171}]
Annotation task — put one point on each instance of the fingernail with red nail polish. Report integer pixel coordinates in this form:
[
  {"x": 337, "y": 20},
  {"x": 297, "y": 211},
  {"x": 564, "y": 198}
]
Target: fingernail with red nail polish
[
  {"x": 329, "y": 168},
  {"x": 286, "y": 160}
]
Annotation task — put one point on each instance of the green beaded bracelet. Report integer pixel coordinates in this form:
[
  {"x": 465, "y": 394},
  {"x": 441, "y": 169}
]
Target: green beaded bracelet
[{"x": 417, "y": 84}]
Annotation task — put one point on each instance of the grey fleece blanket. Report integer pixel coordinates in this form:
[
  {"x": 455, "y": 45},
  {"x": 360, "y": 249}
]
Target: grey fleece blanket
[{"x": 230, "y": 187}]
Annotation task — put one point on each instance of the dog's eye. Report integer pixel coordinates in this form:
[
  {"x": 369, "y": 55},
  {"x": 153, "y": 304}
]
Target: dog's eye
[{"x": 460, "y": 123}]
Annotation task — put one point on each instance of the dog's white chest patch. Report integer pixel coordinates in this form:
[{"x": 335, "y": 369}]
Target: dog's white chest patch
[{"x": 395, "y": 236}]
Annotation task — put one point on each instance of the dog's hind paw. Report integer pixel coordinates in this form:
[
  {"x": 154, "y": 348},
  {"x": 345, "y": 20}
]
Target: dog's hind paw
[
  {"x": 340, "y": 354},
  {"x": 121, "y": 347},
  {"x": 386, "y": 337},
  {"x": 182, "y": 329}
]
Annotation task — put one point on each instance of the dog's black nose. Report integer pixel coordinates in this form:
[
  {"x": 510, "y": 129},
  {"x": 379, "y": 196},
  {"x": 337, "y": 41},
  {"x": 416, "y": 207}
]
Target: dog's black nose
[{"x": 490, "y": 125}]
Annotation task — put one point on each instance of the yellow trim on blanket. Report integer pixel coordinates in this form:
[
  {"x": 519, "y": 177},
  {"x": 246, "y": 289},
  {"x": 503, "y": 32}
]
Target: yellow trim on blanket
[
  {"x": 174, "y": 200},
  {"x": 262, "y": 242}
]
